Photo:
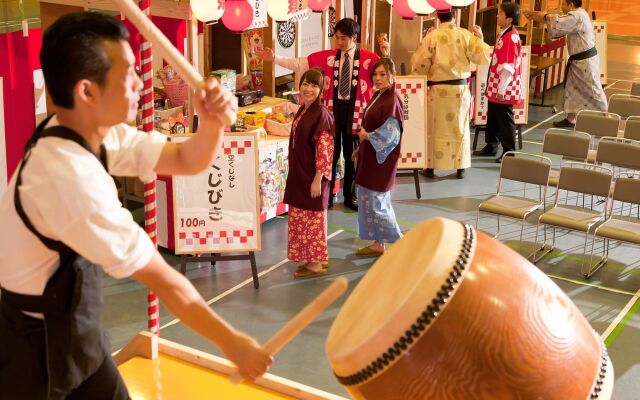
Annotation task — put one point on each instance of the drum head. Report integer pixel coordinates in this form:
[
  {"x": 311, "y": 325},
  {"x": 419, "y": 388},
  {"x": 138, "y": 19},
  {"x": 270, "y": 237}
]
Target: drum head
[{"x": 394, "y": 293}]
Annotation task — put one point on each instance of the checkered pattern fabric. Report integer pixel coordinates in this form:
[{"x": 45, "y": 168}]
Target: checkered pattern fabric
[
  {"x": 408, "y": 88},
  {"x": 410, "y": 158},
  {"x": 237, "y": 147},
  {"x": 357, "y": 117},
  {"x": 514, "y": 90},
  {"x": 210, "y": 237}
]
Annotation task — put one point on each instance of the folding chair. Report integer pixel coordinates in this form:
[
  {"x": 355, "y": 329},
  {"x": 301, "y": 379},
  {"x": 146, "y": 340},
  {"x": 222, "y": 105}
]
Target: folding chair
[
  {"x": 571, "y": 145},
  {"x": 625, "y": 105},
  {"x": 620, "y": 227},
  {"x": 579, "y": 178},
  {"x": 632, "y": 128},
  {"x": 524, "y": 168},
  {"x": 597, "y": 124},
  {"x": 620, "y": 154}
]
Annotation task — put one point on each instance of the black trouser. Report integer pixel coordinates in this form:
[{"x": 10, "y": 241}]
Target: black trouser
[
  {"x": 501, "y": 126},
  {"x": 346, "y": 142},
  {"x": 23, "y": 363}
]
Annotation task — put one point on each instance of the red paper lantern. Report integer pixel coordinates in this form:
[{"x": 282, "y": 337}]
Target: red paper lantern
[
  {"x": 439, "y": 5},
  {"x": 401, "y": 7},
  {"x": 238, "y": 15},
  {"x": 318, "y": 5}
]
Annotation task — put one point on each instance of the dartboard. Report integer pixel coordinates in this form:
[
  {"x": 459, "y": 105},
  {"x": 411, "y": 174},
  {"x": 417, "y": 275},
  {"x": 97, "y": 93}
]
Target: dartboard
[
  {"x": 332, "y": 21},
  {"x": 286, "y": 34}
]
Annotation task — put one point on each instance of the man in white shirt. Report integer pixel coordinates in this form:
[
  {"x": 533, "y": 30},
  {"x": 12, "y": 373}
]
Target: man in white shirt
[{"x": 62, "y": 221}]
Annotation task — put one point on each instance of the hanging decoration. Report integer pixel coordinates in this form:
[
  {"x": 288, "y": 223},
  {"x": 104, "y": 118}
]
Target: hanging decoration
[
  {"x": 238, "y": 15},
  {"x": 401, "y": 7},
  {"x": 278, "y": 10},
  {"x": 318, "y": 5},
  {"x": 460, "y": 3},
  {"x": 439, "y": 5},
  {"x": 207, "y": 11},
  {"x": 420, "y": 7}
]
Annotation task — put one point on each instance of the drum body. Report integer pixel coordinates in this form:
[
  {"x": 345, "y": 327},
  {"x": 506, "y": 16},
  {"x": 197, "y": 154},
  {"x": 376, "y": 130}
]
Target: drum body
[{"x": 448, "y": 313}]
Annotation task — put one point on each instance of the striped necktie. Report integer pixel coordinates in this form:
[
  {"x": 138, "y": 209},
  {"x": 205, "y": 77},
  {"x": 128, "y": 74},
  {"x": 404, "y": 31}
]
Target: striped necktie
[{"x": 345, "y": 77}]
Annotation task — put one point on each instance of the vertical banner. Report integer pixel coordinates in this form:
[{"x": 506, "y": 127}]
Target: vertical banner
[
  {"x": 259, "y": 14},
  {"x": 520, "y": 110},
  {"x": 413, "y": 93},
  {"x": 216, "y": 211},
  {"x": 311, "y": 35},
  {"x": 600, "y": 31},
  {"x": 3, "y": 146}
]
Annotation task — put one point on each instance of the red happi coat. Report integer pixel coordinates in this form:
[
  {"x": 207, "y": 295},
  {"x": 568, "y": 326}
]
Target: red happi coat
[
  {"x": 361, "y": 86},
  {"x": 506, "y": 54}
]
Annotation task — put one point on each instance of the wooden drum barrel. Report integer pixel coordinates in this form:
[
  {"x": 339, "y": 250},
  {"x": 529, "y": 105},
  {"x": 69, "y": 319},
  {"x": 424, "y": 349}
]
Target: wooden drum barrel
[{"x": 449, "y": 313}]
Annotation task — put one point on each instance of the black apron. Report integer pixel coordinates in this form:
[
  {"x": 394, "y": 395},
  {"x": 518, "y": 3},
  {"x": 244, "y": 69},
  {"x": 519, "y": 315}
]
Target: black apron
[{"x": 51, "y": 357}]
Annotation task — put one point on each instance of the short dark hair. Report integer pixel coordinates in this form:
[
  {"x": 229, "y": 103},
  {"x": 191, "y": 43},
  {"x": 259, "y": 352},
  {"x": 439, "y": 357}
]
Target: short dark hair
[
  {"x": 72, "y": 49},
  {"x": 445, "y": 16},
  {"x": 314, "y": 76},
  {"x": 511, "y": 10},
  {"x": 385, "y": 62},
  {"x": 576, "y": 3},
  {"x": 348, "y": 27}
]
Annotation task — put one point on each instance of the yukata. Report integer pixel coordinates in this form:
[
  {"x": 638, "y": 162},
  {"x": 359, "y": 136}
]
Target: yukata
[
  {"x": 583, "y": 89},
  {"x": 377, "y": 165},
  {"x": 504, "y": 89},
  {"x": 310, "y": 151},
  {"x": 445, "y": 55}
]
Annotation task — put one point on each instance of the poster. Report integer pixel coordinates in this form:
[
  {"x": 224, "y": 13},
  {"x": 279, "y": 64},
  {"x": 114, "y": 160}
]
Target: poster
[
  {"x": 216, "y": 211},
  {"x": 600, "y": 31},
  {"x": 520, "y": 110},
  {"x": 413, "y": 93}
]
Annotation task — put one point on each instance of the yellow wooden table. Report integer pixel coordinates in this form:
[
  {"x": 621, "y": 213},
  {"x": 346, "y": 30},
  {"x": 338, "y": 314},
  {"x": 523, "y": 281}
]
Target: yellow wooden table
[{"x": 155, "y": 368}]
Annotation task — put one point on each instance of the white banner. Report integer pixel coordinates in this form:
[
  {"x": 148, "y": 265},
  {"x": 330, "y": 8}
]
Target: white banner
[
  {"x": 311, "y": 35},
  {"x": 216, "y": 211},
  {"x": 413, "y": 93},
  {"x": 3, "y": 146},
  {"x": 520, "y": 110},
  {"x": 600, "y": 31},
  {"x": 259, "y": 14}
]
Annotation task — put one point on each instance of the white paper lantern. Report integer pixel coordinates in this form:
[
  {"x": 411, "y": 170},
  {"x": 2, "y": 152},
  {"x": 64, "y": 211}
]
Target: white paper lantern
[
  {"x": 278, "y": 10},
  {"x": 421, "y": 7},
  {"x": 459, "y": 3},
  {"x": 207, "y": 11}
]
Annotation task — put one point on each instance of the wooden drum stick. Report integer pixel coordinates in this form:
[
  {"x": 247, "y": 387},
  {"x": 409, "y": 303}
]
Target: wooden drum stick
[
  {"x": 168, "y": 51},
  {"x": 302, "y": 319}
]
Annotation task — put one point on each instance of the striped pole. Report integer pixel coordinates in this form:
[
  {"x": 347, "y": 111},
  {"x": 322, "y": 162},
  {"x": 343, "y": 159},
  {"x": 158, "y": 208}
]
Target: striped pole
[{"x": 150, "y": 218}]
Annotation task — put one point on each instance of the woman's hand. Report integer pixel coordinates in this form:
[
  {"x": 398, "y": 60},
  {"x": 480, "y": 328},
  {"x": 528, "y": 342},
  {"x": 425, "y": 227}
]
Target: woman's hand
[
  {"x": 363, "y": 135},
  {"x": 316, "y": 187},
  {"x": 354, "y": 155},
  {"x": 477, "y": 31}
]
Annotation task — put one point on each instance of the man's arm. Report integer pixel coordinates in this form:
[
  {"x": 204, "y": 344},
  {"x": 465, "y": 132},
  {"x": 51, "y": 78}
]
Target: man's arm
[
  {"x": 297, "y": 65},
  {"x": 182, "y": 299},
  {"x": 200, "y": 151}
]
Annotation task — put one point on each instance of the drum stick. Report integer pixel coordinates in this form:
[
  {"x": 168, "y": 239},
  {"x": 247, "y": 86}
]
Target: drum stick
[
  {"x": 168, "y": 51},
  {"x": 302, "y": 319}
]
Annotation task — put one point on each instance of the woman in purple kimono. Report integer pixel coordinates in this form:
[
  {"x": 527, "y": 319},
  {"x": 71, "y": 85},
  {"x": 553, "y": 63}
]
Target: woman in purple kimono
[
  {"x": 307, "y": 190},
  {"x": 377, "y": 159}
]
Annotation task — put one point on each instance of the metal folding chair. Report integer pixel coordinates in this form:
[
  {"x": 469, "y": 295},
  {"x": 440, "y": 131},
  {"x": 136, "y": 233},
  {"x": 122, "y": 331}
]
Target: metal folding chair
[{"x": 528, "y": 169}]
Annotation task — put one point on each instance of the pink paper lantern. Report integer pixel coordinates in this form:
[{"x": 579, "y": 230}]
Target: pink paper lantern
[
  {"x": 318, "y": 5},
  {"x": 439, "y": 5},
  {"x": 238, "y": 15},
  {"x": 401, "y": 7}
]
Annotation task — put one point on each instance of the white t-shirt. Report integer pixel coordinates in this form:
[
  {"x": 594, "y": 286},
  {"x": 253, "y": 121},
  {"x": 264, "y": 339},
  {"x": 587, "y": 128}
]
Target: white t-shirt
[{"x": 68, "y": 196}]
